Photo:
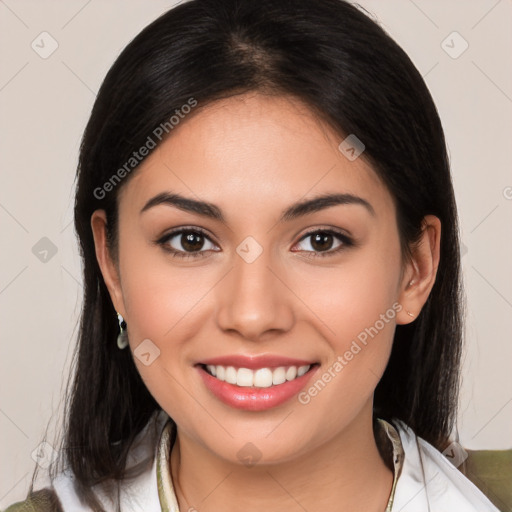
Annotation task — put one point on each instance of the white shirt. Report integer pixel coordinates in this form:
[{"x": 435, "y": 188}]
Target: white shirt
[{"x": 425, "y": 481}]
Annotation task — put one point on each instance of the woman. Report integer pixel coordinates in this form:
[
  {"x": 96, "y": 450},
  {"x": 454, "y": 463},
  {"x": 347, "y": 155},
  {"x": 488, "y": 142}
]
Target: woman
[{"x": 272, "y": 297}]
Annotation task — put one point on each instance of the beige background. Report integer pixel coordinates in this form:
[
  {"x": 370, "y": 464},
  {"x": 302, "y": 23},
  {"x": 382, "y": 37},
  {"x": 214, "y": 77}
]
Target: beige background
[{"x": 45, "y": 103}]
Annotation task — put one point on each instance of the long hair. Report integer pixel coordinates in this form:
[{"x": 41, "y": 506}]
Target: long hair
[{"x": 349, "y": 71}]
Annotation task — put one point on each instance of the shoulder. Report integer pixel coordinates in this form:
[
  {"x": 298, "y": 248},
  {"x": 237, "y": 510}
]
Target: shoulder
[
  {"x": 44, "y": 500},
  {"x": 138, "y": 492},
  {"x": 429, "y": 481}
]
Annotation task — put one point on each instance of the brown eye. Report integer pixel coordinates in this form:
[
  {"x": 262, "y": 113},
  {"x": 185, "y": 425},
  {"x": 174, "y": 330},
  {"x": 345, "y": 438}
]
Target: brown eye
[
  {"x": 187, "y": 243},
  {"x": 325, "y": 241},
  {"x": 191, "y": 241},
  {"x": 322, "y": 241}
]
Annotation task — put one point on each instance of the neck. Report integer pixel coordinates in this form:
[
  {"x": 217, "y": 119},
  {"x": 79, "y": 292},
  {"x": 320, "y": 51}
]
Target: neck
[{"x": 344, "y": 474}]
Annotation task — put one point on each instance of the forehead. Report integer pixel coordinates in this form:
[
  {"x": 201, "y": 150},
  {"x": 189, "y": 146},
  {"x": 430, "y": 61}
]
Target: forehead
[{"x": 253, "y": 149}]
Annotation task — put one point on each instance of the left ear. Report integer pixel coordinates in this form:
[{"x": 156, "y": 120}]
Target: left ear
[{"x": 420, "y": 272}]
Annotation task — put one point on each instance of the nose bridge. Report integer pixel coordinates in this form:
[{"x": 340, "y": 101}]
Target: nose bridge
[{"x": 252, "y": 299}]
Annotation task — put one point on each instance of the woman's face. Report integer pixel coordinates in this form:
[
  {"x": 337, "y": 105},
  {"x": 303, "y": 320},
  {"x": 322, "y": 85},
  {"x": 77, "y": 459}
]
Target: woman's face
[{"x": 319, "y": 287}]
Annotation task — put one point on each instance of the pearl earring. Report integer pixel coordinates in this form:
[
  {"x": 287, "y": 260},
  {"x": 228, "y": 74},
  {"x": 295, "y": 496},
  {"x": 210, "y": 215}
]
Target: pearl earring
[{"x": 122, "y": 338}]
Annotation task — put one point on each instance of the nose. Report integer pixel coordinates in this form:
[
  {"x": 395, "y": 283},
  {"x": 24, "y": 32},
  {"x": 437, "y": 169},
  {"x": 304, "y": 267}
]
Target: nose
[{"x": 253, "y": 300}]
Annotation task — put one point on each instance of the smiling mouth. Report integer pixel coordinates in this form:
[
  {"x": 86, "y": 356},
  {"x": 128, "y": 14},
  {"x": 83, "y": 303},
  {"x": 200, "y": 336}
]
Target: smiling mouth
[{"x": 258, "y": 378}]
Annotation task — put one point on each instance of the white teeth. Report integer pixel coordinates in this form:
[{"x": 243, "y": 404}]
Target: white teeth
[
  {"x": 221, "y": 373},
  {"x": 261, "y": 378},
  {"x": 279, "y": 375},
  {"x": 244, "y": 377},
  {"x": 291, "y": 373},
  {"x": 302, "y": 370},
  {"x": 230, "y": 375}
]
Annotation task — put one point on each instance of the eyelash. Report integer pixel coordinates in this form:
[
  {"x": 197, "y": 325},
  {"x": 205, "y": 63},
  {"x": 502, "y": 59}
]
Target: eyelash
[{"x": 346, "y": 242}]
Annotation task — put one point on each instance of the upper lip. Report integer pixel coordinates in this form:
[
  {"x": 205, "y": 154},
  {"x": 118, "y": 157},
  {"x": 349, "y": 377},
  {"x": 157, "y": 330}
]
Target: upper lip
[{"x": 255, "y": 362}]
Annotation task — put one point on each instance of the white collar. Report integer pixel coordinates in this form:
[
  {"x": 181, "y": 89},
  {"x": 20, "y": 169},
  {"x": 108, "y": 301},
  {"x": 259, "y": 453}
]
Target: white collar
[
  {"x": 431, "y": 483},
  {"x": 138, "y": 494},
  {"x": 425, "y": 481}
]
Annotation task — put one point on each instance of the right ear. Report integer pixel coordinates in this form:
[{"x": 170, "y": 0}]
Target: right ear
[{"x": 108, "y": 267}]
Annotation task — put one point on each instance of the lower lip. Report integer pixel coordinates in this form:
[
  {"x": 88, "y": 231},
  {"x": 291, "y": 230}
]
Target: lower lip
[{"x": 254, "y": 399}]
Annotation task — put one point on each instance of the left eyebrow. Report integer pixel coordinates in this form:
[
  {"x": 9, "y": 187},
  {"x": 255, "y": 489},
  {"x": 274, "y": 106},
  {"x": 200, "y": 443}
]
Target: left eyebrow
[
  {"x": 294, "y": 211},
  {"x": 324, "y": 201}
]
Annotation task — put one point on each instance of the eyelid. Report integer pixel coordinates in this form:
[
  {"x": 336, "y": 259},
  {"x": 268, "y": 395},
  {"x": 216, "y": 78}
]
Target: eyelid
[
  {"x": 327, "y": 229},
  {"x": 178, "y": 230}
]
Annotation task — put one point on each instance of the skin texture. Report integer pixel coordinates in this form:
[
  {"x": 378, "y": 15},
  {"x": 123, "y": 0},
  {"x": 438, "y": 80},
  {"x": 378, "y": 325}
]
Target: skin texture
[{"x": 253, "y": 156}]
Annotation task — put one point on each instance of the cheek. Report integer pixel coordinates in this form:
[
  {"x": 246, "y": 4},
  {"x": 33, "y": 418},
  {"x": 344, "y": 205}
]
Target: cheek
[
  {"x": 352, "y": 295},
  {"x": 356, "y": 304},
  {"x": 359, "y": 351},
  {"x": 162, "y": 303},
  {"x": 158, "y": 293}
]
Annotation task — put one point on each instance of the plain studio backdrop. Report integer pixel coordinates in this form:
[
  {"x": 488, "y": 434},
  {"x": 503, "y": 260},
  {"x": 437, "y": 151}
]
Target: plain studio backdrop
[{"x": 54, "y": 56}]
